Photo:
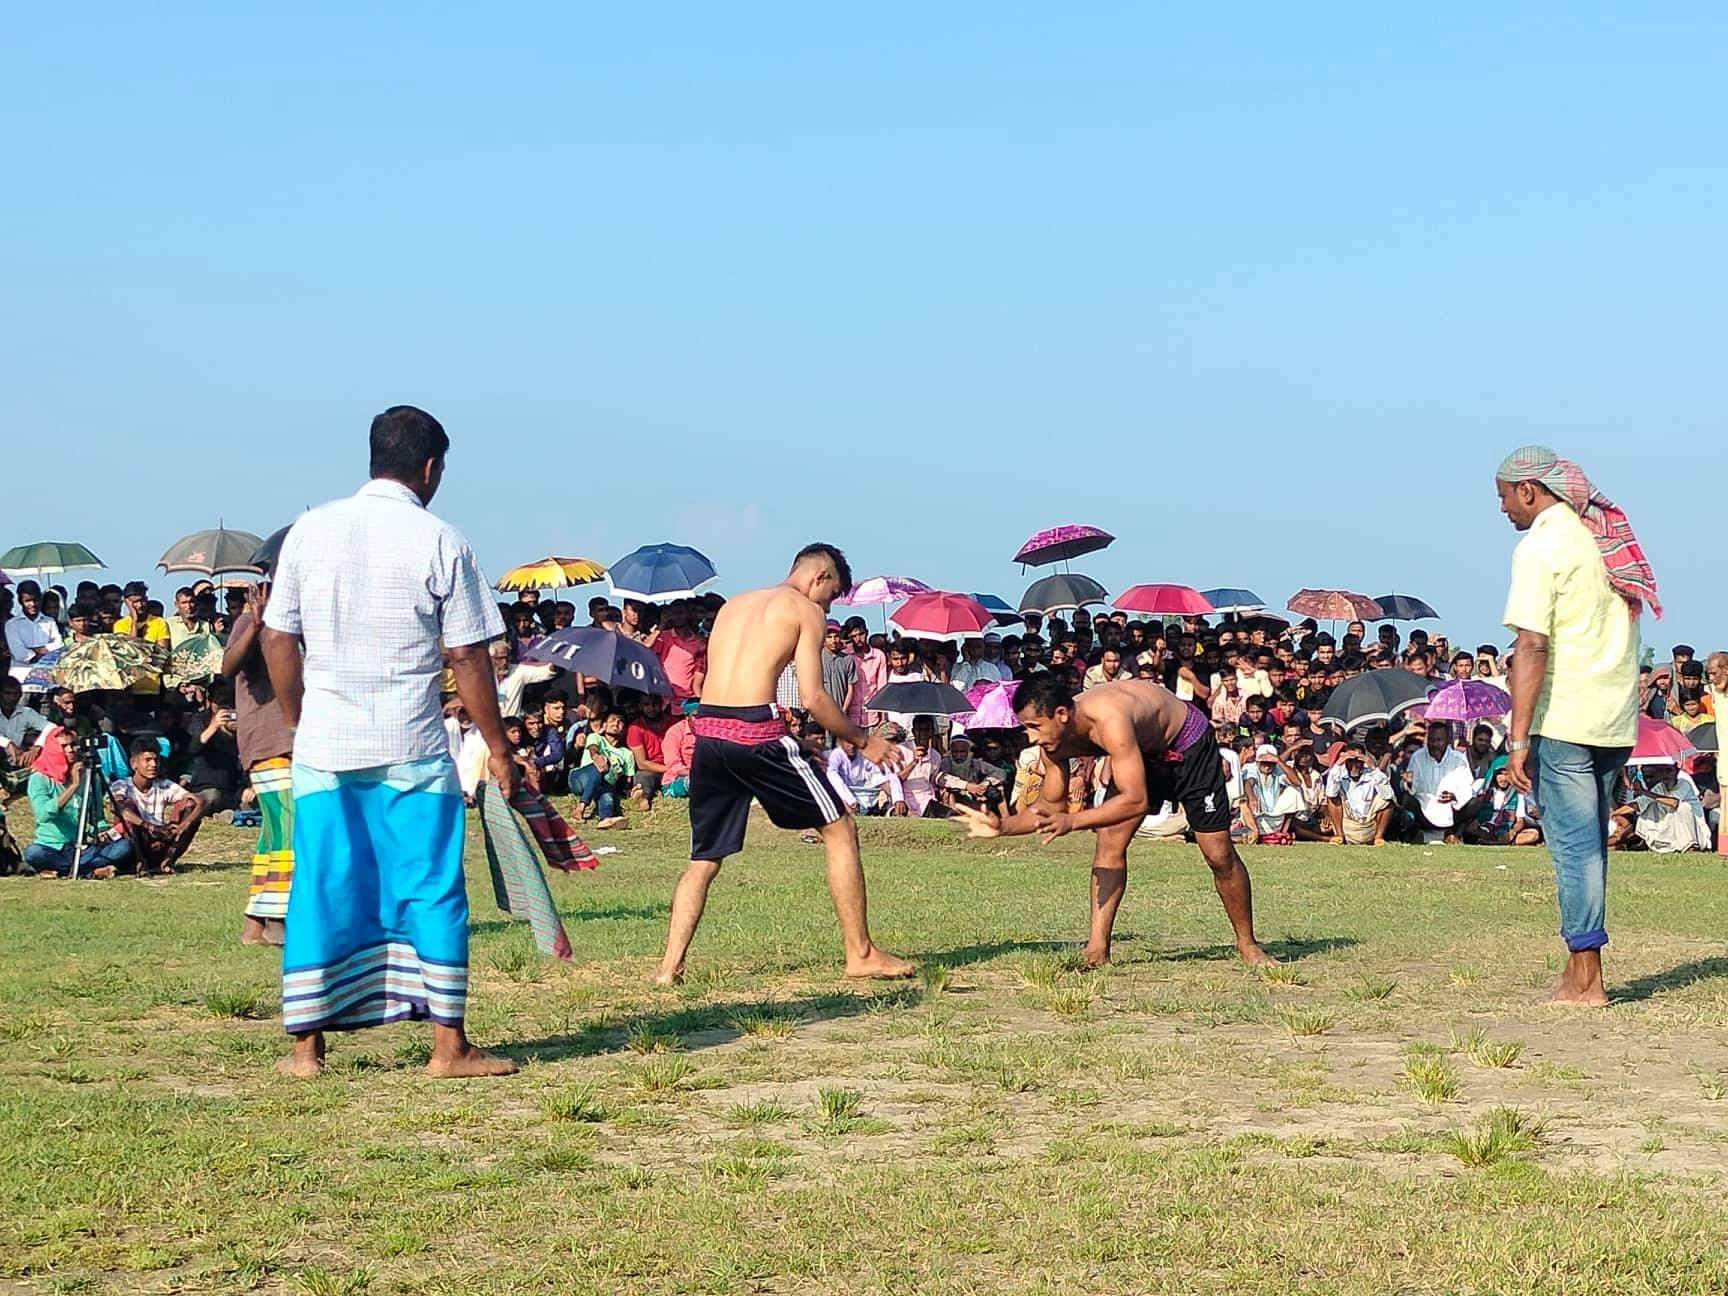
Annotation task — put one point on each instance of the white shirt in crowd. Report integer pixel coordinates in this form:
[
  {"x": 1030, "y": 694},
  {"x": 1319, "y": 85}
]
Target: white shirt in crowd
[
  {"x": 21, "y": 728},
  {"x": 1681, "y": 828},
  {"x": 26, "y": 634},
  {"x": 862, "y": 781},
  {"x": 1232, "y": 774},
  {"x": 372, "y": 584},
  {"x": 966, "y": 673},
  {"x": 1360, "y": 793},
  {"x": 1430, "y": 777}
]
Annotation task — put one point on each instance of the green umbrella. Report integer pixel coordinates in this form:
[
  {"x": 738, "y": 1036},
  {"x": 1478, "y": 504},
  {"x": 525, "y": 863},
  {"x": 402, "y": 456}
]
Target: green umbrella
[
  {"x": 48, "y": 556},
  {"x": 212, "y": 551},
  {"x": 197, "y": 660},
  {"x": 109, "y": 661}
]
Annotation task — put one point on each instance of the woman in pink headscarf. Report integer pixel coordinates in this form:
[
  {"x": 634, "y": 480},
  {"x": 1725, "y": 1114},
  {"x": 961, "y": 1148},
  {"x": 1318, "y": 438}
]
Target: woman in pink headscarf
[{"x": 57, "y": 785}]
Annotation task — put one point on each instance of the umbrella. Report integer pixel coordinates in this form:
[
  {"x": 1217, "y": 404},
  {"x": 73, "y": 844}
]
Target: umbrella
[
  {"x": 1062, "y": 594},
  {"x": 265, "y": 555},
  {"x": 1660, "y": 743},
  {"x": 551, "y": 574},
  {"x": 1059, "y": 544},
  {"x": 109, "y": 661},
  {"x": 1401, "y": 607},
  {"x": 40, "y": 677},
  {"x": 660, "y": 573},
  {"x": 1375, "y": 697},
  {"x": 1334, "y": 605},
  {"x": 612, "y": 658},
  {"x": 920, "y": 697},
  {"x": 1228, "y": 600},
  {"x": 882, "y": 589},
  {"x": 1468, "y": 700},
  {"x": 1165, "y": 600},
  {"x": 47, "y": 556},
  {"x": 211, "y": 552},
  {"x": 999, "y": 608},
  {"x": 1270, "y": 622},
  {"x": 1703, "y": 736},
  {"x": 198, "y": 658},
  {"x": 992, "y": 705},
  {"x": 942, "y": 616}
]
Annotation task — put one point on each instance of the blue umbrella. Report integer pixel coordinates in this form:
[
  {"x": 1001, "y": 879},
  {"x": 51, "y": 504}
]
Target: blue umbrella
[
  {"x": 660, "y": 573},
  {"x": 998, "y": 608},
  {"x": 615, "y": 659},
  {"x": 1234, "y": 600}
]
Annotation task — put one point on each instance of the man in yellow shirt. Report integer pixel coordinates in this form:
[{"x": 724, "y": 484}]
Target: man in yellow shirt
[
  {"x": 1579, "y": 581},
  {"x": 139, "y": 623}
]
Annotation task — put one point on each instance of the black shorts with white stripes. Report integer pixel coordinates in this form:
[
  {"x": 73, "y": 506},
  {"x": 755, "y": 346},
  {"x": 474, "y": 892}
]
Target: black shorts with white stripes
[{"x": 725, "y": 776}]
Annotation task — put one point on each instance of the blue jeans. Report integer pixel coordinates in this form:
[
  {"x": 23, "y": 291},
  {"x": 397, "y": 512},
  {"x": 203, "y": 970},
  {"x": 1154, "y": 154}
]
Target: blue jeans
[
  {"x": 1575, "y": 792},
  {"x": 58, "y": 859},
  {"x": 589, "y": 786}
]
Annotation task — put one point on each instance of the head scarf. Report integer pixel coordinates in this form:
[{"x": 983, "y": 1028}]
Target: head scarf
[
  {"x": 51, "y": 756},
  {"x": 1623, "y": 557}
]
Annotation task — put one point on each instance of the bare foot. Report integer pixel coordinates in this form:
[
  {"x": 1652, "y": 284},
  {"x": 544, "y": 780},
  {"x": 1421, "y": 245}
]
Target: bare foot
[
  {"x": 252, "y": 931},
  {"x": 1589, "y": 996},
  {"x": 1254, "y": 956},
  {"x": 672, "y": 978},
  {"x": 275, "y": 931},
  {"x": 307, "y": 1059},
  {"x": 1094, "y": 957},
  {"x": 616, "y": 821},
  {"x": 106, "y": 871},
  {"x": 468, "y": 1063},
  {"x": 880, "y": 965}
]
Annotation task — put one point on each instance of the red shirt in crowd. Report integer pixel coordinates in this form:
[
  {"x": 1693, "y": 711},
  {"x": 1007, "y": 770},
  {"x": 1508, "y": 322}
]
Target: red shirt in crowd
[{"x": 683, "y": 658}]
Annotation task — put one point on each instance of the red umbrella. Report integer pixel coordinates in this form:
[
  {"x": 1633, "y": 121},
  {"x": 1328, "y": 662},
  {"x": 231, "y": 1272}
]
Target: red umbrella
[
  {"x": 1172, "y": 600},
  {"x": 1660, "y": 743},
  {"x": 1334, "y": 605},
  {"x": 943, "y": 616}
]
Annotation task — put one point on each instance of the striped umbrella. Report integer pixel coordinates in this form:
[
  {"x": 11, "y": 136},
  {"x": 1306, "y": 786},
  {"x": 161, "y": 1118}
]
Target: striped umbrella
[{"x": 551, "y": 574}]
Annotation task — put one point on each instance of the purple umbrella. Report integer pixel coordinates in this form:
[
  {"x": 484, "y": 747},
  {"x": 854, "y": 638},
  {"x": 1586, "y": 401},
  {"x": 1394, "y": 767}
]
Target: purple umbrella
[
  {"x": 1468, "y": 700},
  {"x": 995, "y": 706},
  {"x": 1059, "y": 544},
  {"x": 883, "y": 589}
]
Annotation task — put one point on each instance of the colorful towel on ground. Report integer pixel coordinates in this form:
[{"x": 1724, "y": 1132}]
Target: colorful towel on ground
[
  {"x": 377, "y": 926},
  {"x": 273, "y": 859},
  {"x": 517, "y": 882},
  {"x": 562, "y": 846},
  {"x": 1629, "y": 572}
]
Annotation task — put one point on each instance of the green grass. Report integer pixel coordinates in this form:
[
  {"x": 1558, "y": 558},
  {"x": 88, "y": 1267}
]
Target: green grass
[{"x": 1007, "y": 1124}]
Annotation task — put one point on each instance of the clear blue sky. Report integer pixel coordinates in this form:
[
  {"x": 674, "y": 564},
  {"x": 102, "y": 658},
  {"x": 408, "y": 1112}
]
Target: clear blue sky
[{"x": 1266, "y": 290}]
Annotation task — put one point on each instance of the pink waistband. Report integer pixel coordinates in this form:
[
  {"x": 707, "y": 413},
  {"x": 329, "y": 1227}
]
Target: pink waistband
[{"x": 748, "y": 733}]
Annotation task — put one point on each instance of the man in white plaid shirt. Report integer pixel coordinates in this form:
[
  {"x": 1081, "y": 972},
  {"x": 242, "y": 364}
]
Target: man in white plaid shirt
[{"x": 370, "y": 593}]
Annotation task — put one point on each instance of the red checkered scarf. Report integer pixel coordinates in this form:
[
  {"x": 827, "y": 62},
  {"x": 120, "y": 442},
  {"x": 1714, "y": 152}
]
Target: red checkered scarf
[{"x": 1628, "y": 570}]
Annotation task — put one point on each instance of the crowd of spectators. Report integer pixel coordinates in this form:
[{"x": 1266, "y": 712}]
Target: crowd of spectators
[{"x": 1292, "y": 774}]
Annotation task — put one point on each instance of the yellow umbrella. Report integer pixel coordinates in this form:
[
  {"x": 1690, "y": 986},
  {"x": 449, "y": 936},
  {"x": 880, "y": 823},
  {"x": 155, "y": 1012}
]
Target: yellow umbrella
[{"x": 552, "y": 573}]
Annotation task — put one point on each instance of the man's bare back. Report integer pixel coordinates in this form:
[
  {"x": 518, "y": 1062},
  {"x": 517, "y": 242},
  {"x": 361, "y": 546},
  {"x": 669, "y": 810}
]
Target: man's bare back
[{"x": 1155, "y": 714}]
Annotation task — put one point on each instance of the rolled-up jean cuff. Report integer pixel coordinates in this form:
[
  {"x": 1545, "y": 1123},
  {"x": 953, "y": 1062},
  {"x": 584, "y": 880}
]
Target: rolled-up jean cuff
[{"x": 1588, "y": 941}]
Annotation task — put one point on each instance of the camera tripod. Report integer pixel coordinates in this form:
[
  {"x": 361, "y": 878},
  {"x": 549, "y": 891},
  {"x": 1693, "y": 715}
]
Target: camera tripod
[{"x": 89, "y": 786}]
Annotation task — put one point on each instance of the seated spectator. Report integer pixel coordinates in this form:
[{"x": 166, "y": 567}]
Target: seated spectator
[
  {"x": 57, "y": 785},
  {"x": 21, "y": 728},
  {"x": 1709, "y": 793},
  {"x": 1484, "y": 748},
  {"x": 549, "y": 746},
  {"x": 964, "y": 777},
  {"x": 160, "y": 817},
  {"x": 521, "y": 748},
  {"x": 1270, "y": 799},
  {"x": 213, "y": 772},
  {"x": 920, "y": 767},
  {"x": 1256, "y": 722},
  {"x": 865, "y": 786},
  {"x": 1359, "y": 800},
  {"x": 1671, "y": 816},
  {"x": 644, "y": 735},
  {"x": 1310, "y": 823},
  {"x": 1498, "y": 814},
  {"x": 678, "y": 751},
  {"x": 1691, "y": 713},
  {"x": 606, "y": 769},
  {"x": 1434, "y": 785}
]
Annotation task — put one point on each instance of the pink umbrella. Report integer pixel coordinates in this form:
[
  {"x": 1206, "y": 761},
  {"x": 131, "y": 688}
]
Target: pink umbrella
[
  {"x": 995, "y": 705},
  {"x": 1334, "y": 605},
  {"x": 1059, "y": 544},
  {"x": 943, "y": 616},
  {"x": 1172, "y": 600},
  {"x": 1468, "y": 700},
  {"x": 1660, "y": 743},
  {"x": 883, "y": 589}
]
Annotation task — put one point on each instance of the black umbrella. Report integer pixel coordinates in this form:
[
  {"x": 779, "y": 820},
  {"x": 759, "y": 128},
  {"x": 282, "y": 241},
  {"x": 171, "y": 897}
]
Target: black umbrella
[
  {"x": 1401, "y": 607},
  {"x": 920, "y": 697},
  {"x": 604, "y": 655},
  {"x": 1062, "y": 593},
  {"x": 1703, "y": 736},
  {"x": 1375, "y": 697},
  {"x": 265, "y": 555},
  {"x": 216, "y": 550}
]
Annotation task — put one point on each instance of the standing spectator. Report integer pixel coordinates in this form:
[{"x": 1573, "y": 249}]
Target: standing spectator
[
  {"x": 266, "y": 749},
  {"x": 682, "y": 652},
  {"x": 32, "y": 634},
  {"x": 1579, "y": 580},
  {"x": 972, "y": 668},
  {"x": 185, "y": 622},
  {"x": 140, "y": 623},
  {"x": 1107, "y": 671},
  {"x": 549, "y": 748},
  {"x": 839, "y": 670},
  {"x": 370, "y": 585},
  {"x": 872, "y": 665}
]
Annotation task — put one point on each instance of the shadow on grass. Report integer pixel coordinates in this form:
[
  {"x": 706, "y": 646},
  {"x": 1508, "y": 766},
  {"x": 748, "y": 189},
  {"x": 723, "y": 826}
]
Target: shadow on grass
[
  {"x": 1675, "y": 978},
  {"x": 658, "y": 910},
  {"x": 1288, "y": 950},
  {"x": 967, "y": 955},
  {"x": 707, "y": 1025}
]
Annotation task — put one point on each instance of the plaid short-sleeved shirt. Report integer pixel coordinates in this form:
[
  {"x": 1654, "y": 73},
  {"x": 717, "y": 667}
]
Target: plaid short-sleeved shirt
[{"x": 371, "y": 584}]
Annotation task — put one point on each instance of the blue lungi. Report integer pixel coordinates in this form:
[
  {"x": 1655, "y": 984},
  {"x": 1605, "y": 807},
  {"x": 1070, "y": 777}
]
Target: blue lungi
[{"x": 377, "y": 925}]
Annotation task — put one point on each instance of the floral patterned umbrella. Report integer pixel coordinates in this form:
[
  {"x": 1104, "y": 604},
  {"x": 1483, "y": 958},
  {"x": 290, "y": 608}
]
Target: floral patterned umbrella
[
  {"x": 1334, "y": 605},
  {"x": 883, "y": 589},
  {"x": 197, "y": 660},
  {"x": 109, "y": 661},
  {"x": 1468, "y": 700},
  {"x": 1060, "y": 543}
]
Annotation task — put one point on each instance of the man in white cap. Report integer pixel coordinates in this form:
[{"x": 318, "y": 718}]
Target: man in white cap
[{"x": 1270, "y": 798}]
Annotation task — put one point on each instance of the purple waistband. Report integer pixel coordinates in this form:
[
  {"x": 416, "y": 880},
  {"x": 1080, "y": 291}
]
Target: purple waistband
[{"x": 1194, "y": 728}]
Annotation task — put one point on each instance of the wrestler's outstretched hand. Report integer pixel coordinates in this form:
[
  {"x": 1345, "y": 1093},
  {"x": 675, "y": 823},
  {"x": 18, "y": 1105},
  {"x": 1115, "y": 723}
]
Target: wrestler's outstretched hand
[
  {"x": 978, "y": 823},
  {"x": 1051, "y": 823},
  {"x": 879, "y": 751}
]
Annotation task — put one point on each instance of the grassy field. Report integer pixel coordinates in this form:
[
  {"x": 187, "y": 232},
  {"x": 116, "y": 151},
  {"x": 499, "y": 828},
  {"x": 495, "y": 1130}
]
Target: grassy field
[{"x": 1392, "y": 1111}]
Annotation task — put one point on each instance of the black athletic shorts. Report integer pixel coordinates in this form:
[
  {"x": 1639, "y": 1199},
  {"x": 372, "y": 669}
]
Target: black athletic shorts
[
  {"x": 1194, "y": 781},
  {"x": 755, "y": 760}
]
